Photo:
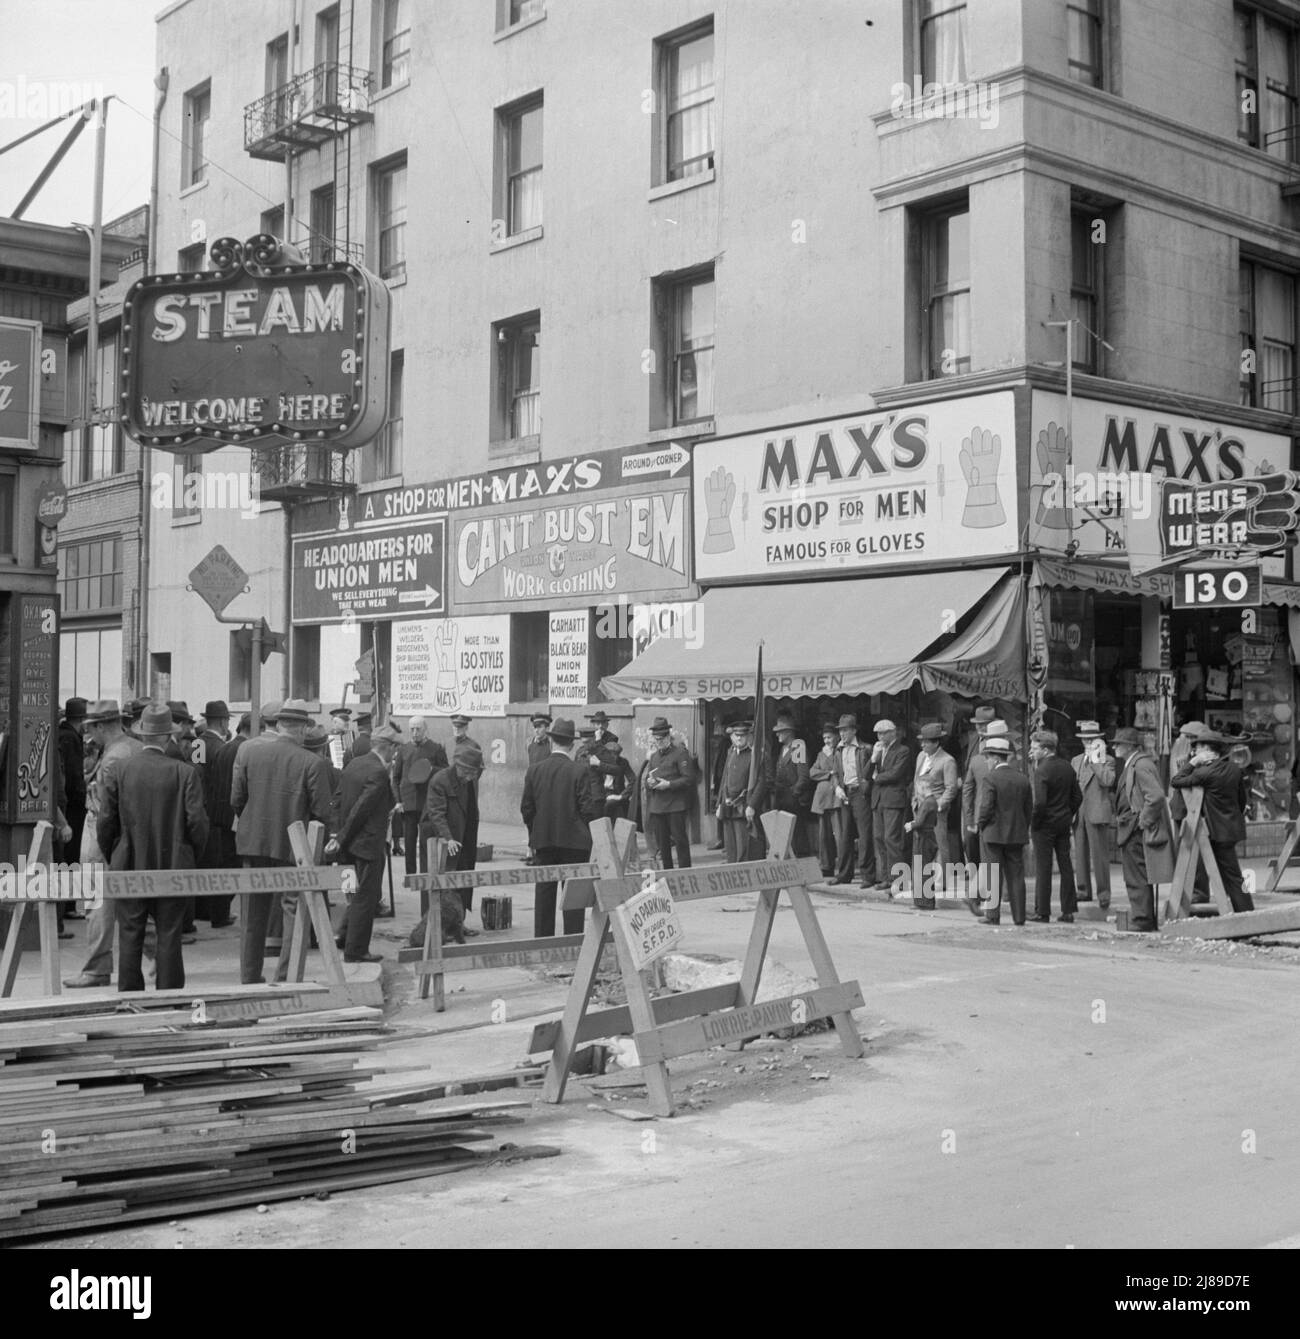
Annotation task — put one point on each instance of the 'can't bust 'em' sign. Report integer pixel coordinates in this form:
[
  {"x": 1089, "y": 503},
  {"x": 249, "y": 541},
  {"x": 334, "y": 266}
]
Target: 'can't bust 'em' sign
[{"x": 261, "y": 351}]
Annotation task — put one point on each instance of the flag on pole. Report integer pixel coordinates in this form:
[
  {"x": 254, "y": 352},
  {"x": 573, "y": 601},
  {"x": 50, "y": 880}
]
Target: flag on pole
[{"x": 760, "y": 738}]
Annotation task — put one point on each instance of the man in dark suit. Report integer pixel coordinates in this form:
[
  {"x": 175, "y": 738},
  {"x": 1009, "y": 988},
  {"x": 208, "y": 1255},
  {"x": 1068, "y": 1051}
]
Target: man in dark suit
[
  {"x": 214, "y": 736},
  {"x": 790, "y": 780},
  {"x": 1057, "y": 798},
  {"x": 360, "y": 740},
  {"x": 853, "y": 836},
  {"x": 275, "y": 782},
  {"x": 365, "y": 799},
  {"x": 451, "y": 809},
  {"x": 557, "y": 808},
  {"x": 668, "y": 789},
  {"x": 539, "y": 746},
  {"x": 1223, "y": 787},
  {"x": 417, "y": 762},
  {"x": 152, "y": 819},
  {"x": 891, "y": 779},
  {"x": 221, "y": 814},
  {"x": 1142, "y": 828},
  {"x": 739, "y": 802},
  {"x": 72, "y": 762},
  {"x": 1003, "y": 811},
  {"x": 978, "y": 766}
]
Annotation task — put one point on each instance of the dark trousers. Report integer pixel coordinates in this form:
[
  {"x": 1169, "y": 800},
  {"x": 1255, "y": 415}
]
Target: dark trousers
[
  {"x": 417, "y": 850},
  {"x": 1046, "y": 845},
  {"x": 853, "y": 836},
  {"x": 1225, "y": 856},
  {"x": 132, "y": 921},
  {"x": 222, "y": 848},
  {"x": 544, "y": 896},
  {"x": 887, "y": 833},
  {"x": 1010, "y": 864},
  {"x": 1141, "y": 895},
  {"x": 827, "y": 840},
  {"x": 464, "y": 859},
  {"x": 669, "y": 830},
  {"x": 255, "y": 915},
  {"x": 739, "y": 842},
  {"x": 359, "y": 917}
]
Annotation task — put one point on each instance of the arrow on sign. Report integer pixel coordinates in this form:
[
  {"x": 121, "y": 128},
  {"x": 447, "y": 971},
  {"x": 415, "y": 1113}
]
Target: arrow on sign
[
  {"x": 671, "y": 460},
  {"x": 426, "y": 597}
]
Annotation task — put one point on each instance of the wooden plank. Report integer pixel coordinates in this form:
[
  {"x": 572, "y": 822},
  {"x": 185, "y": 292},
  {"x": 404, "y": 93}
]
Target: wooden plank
[
  {"x": 687, "y": 885},
  {"x": 13, "y": 952},
  {"x": 1236, "y": 925},
  {"x": 745, "y": 1021},
  {"x": 434, "y": 948},
  {"x": 1284, "y": 857},
  {"x": 824, "y": 968},
  {"x": 213, "y": 882},
  {"x": 508, "y": 876},
  {"x": 511, "y": 953},
  {"x": 617, "y": 1022}
]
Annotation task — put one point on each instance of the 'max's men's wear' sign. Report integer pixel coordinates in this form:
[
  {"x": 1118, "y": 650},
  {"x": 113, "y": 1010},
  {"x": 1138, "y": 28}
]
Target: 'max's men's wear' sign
[
  {"x": 1109, "y": 483},
  {"x": 262, "y": 352},
  {"x": 387, "y": 572},
  {"x": 20, "y": 386},
  {"x": 927, "y": 484}
]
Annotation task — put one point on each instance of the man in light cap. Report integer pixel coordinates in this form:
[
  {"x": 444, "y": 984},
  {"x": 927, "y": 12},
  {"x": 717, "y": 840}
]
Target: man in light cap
[
  {"x": 1142, "y": 828},
  {"x": 934, "y": 788},
  {"x": 364, "y": 803},
  {"x": 1004, "y": 808},
  {"x": 451, "y": 810},
  {"x": 1095, "y": 821},
  {"x": 891, "y": 778},
  {"x": 1056, "y": 801},
  {"x": 739, "y": 802}
]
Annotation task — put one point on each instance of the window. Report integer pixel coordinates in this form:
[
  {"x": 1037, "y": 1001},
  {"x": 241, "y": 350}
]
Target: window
[
  {"x": 945, "y": 247},
  {"x": 322, "y": 224},
  {"x": 523, "y": 10},
  {"x": 530, "y": 636},
  {"x": 396, "y": 54},
  {"x": 1266, "y": 84},
  {"x": 390, "y": 208},
  {"x": 273, "y": 221},
  {"x": 519, "y": 139},
  {"x": 383, "y": 458},
  {"x": 306, "y": 664},
  {"x": 187, "y": 468},
  {"x": 942, "y": 41},
  {"x": 327, "y": 55},
  {"x": 198, "y": 112},
  {"x": 690, "y": 307},
  {"x": 1086, "y": 290},
  {"x": 1268, "y": 324},
  {"x": 277, "y": 76},
  {"x": 241, "y": 671},
  {"x": 1084, "y": 34},
  {"x": 686, "y": 94},
  {"x": 7, "y": 514},
  {"x": 519, "y": 376},
  {"x": 98, "y": 452},
  {"x": 90, "y": 662},
  {"x": 191, "y": 259},
  {"x": 90, "y": 576}
]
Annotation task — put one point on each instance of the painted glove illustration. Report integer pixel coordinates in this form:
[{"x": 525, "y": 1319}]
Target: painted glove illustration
[
  {"x": 1272, "y": 510},
  {"x": 979, "y": 456},
  {"x": 719, "y": 496},
  {"x": 1053, "y": 451},
  {"x": 444, "y": 648}
]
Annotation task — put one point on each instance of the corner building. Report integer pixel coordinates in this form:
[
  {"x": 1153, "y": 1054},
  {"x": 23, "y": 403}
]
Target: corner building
[{"x": 736, "y": 281}]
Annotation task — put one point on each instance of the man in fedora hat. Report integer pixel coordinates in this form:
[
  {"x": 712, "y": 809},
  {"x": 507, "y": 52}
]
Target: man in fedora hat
[
  {"x": 1223, "y": 807},
  {"x": 603, "y": 734},
  {"x": 275, "y": 782},
  {"x": 934, "y": 788},
  {"x": 668, "y": 783},
  {"x": 72, "y": 769},
  {"x": 739, "y": 802},
  {"x": 979, "y": 720},
  {"x": 1143, "y": 828},
  {"x": 891, "y": 779},
  {"x": 976, "y": 770},
  {"x": 221, "y": 816},
  {"x": 361, "y": 740},
  {"x": 152, "y": 819},
  {"x": 417, "y": 762},
  {"x": 853, "y": 836},
  {"x": 1095, "y": 821},
  {"x": 1004, "y": 808},
  {"x": 214, "y": 736},
  {"x": 1057, "y": 798},
  {"x": 365, "y": 798},
  {"x": 104, "y": 726},
  {"x": 790, "y": 779},
  {"x": 557, "y": 806}
]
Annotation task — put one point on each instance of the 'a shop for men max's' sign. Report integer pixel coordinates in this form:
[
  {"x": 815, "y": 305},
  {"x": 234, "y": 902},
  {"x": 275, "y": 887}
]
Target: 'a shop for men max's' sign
[{"x": 263, "y": 351}]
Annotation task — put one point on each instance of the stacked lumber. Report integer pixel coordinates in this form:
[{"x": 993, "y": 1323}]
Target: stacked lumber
[{"x": 108, "y": 1119}]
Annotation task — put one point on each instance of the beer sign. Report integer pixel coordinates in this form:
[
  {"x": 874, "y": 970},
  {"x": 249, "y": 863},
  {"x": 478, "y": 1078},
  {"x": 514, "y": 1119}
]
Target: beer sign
[
  {"x": 263, "y": 351},
  {"x": 20, "y": 389}
]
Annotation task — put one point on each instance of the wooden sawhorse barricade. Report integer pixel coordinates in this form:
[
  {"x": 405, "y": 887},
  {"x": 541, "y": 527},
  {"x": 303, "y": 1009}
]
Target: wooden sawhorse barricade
[
  {"x": 1176, "y": 920},
  {"x": 435, "y": 959},
  {"x": 309, "y": 880},
  {"x": 1287, "y": 856},
  {"x": 676, "y": 1025}
]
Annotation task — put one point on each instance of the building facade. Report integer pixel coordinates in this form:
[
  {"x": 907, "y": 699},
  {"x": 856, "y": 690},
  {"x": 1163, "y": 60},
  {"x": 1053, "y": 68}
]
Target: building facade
[{"x": 826, "y": 272}]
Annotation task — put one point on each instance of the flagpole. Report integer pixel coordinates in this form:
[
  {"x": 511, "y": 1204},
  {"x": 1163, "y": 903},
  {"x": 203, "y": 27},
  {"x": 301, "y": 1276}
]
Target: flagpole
[{"x": 755, "y": 830}]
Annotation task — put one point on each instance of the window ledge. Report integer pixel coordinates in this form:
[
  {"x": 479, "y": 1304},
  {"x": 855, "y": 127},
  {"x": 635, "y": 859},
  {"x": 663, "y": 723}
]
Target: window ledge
[
  {"x": 193, "y": 189},
  {"x": 389, "y": 91},
  {"x": 185, "y": 520},
  {"x": 398, "y": 282},
  {"x": 703, "y": 427},
  {"x": 685, "y": 184},
  {"x": 379, "y": 485},
  {"x": 514, "y": 28},
  {"x": 517, "y": 239},
  {"x": 527, "y": 449}
]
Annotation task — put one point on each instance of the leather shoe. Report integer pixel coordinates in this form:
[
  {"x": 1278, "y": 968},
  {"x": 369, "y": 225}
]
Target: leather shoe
[
  {"x": 222, "y": 925},
  {"x": 973, "y": 906},
  {"x": 1084, "y": 897},
  {"x": 1067, "y": 919},
  {"x": 1041, "y": 920},
  {"x": 987, "y": 921},
  {"x": 837, "y": 879},
  {"x": 364, "y": 957},
  {"x": 86, "y": 980}
]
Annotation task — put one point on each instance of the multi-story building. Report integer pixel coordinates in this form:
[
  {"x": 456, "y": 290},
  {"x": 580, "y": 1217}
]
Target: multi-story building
[{"x": 838, "y": 261}]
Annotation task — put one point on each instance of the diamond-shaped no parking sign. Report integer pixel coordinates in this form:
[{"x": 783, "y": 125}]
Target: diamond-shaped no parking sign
[{"x": 218, "y": 578}]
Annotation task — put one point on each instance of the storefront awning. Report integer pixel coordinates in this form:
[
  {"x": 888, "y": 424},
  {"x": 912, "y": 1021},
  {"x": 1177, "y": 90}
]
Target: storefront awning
[{"x": 842, "y": 638}]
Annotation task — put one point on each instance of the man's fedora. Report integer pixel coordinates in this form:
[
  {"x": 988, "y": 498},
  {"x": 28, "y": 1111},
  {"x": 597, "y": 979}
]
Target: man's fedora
[
  {"x": 181, "y": 713},
  {"x": 847, "y": 722},
  {"x": 562, "y": 730},
  {"x": 932, "y": 731},
  {"x": 74, "y": 709},
  {"x": 1087, "y": 729},
  {"x": 1195, "y": 730},
  {"x": 997, "y": 745},
  {"x": 103, "y": 711},
  {"x": 1128, "y": 735},
  {"x": 659, "y": 726},
  {"x": 387, "y": 733},
  {"x": 784, "y": 723},
  {"x": 216, "y": 711},
  {"x": 997, "y": 730},
  {"x": 155, "y": 721},
  {"x": 983, "y": 715},
  {"x": 600, "y": 718},
  {"x": 294, "y": 712}
]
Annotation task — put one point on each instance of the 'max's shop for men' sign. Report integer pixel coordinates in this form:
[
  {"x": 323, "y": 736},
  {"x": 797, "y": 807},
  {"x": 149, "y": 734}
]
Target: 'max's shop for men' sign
[
  {"x": 264, "y": 351},
  {"x": 912, "y": 485}
]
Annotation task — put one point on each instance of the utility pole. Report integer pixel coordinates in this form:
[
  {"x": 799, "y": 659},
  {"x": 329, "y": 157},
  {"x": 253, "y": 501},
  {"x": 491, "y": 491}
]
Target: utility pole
[
  {"x": 1068, "y": 481},
  {"x": 91, "y": 388}
]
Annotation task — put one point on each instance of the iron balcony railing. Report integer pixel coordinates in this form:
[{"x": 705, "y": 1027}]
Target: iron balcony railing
[
  {"x": 311, "y": 108},
  {"x": 300, "y": 473}
]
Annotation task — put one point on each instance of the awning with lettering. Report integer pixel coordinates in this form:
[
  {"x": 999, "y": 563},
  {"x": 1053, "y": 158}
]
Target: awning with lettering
[
  {"x": 1120, "y": 581},
  {"x": 833, "y": 638}
]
